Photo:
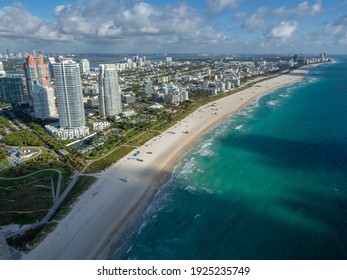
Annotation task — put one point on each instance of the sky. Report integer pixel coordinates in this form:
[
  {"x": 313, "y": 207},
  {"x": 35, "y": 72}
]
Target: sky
[{"x": 187, "y": 26}]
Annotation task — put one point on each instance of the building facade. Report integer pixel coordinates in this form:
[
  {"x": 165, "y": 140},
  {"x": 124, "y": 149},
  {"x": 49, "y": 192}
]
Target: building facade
[
  {"x": 148, "y": 87},
  {"x": 13, "y": 90},
  {"x": 110, "y": 101},
  {"x": 84, "y": 66},
  {"x": 2, "y": 71},
  {"x": 68, "y": 90},
  {"x": 44, "y": 102},
  {"x": 36, "y": 72},
  {"x": 129, "y": 98},
  {"x": 67, "y": 133}
]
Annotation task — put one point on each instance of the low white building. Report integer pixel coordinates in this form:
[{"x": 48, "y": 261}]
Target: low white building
[
  {"x": 24, "y": 154},
  {"x": 129, "y": 113},
  {"x": 101, "y": 125},
  {"x": 67, "y": 133},
  {"x": 172, "y": 98},
  {"x": 156, "y": 106},
  {"x": 184, "y": 95}
]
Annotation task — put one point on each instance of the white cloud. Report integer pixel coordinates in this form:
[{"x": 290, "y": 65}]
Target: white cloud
[
  {"x": 332, "y": 33},
  {"x": 240, "y": 15},
  {"x": 342, "y": 20},
  {"x": 343, "y": 40},
  {"x": 283, "y": 31},
  {"x": 303, "y": 9},
  {"x": 108, "y": 23},
  {"x": 17, "y": 23},
  {"x": 337, "y": 30},
  {"x": 333, "y": 30},
  {"x": 141, "y": 19},
  {"x": 256, "y": 20},
  {"x": 259, "y": 17},
  {"x": 218, "y": 6}
]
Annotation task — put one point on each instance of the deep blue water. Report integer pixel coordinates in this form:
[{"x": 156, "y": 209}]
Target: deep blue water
[{"x": 268, "y": 183}]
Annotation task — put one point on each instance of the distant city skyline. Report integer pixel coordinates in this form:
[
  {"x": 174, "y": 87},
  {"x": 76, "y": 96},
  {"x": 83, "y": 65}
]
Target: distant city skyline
[{"x": 191, "y": 26}]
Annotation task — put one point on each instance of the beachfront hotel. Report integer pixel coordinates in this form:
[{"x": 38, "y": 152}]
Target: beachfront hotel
[
  {"x": 68, "y": 90},
  {"x": 110, "y": 102}
]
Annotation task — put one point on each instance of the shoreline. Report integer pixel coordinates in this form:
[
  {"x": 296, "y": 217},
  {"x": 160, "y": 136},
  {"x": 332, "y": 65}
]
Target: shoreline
[{"x": 112, "y": 208}]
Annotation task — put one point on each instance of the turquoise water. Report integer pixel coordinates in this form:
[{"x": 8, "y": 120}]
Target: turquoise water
[{"x": 268, "y": 183}]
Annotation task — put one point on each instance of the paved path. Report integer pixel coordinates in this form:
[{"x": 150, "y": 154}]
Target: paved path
[
  {"x": 25, "y": 176},
  {"x": 89, "y": 162},
  {"x": 56, "y": 192}
]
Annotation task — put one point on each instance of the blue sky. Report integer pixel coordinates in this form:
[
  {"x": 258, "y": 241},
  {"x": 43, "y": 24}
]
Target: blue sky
[{"x": 195, "y": 26}]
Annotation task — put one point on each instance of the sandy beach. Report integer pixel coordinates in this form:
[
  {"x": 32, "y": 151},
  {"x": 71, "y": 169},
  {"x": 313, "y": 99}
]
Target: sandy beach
[{"x": 112, "y": 205}]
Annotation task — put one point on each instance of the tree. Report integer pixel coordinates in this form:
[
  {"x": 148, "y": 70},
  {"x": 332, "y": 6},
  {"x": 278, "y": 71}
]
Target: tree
[{"x": 2, "y": 154}]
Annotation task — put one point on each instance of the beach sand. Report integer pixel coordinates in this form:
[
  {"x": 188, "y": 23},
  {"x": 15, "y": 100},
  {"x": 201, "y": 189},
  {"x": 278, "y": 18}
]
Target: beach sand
[{"x": 112, "y": 206}]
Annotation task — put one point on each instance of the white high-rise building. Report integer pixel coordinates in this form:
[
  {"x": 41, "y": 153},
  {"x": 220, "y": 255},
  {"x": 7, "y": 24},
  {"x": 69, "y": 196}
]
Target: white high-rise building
[
  {"x": 44, "y": 103},
  {"x": 148, "y": 87},
  {"x": 2, "y": 71},
  {"x": 84, "y": 66},
  {"x": 68, "y": 89},
  {"x": 110, "y": 102},
  {"x": 168, "y": 59},
  {"x": 184, "y": 95}
]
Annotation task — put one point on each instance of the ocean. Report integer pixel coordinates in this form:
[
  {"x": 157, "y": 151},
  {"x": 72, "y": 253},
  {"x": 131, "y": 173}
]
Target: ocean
[{"x": 270, "y": 182}]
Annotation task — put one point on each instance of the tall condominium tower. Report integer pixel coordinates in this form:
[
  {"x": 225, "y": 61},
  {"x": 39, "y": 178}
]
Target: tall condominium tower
[
  {"x": 44, "y": 103},
  {"x": 2, "y": 71},
  {"x": 148, "y": 87},
  {"x": 13, "y": 89},
  {"x": 68, "y": 90},
  {"x": 84, "y": 66},
  {"x": 36, "y": 72},
  {"x": 41, "y": 97},
  {"x": 110, "y": 103}
]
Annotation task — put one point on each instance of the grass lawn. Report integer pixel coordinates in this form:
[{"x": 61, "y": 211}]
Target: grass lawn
[
  {"x": 26, "y": 200},
  {"x": 105, "y": 162},
  {"x": 144, "y": 138},
  {"x": 32, "y": 238},
  {"x": 41, "y": 175},
  {"x": 4, "y": 163},
  {"x": 25, "y": 203}
]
